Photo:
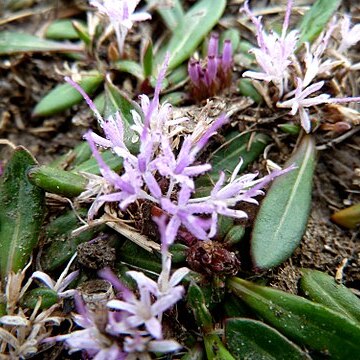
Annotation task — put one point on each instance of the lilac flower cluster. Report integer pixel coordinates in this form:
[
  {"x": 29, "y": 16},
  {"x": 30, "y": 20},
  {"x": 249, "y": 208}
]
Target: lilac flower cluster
[
  {"x": 215, "y": 75},
  {"x": 130, "y": 326},
  {"x": 133, "y": 324},
  {"x": 294, "y": 74},
  {"x": 121, "y": 15},
  {"x": 156, "y": 161}
]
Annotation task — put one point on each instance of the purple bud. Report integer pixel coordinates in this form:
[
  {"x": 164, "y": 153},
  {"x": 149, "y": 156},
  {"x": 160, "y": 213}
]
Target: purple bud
[
  {"x": 213, "y": 45},
  {"x": 193, "y": 71},
  {"x": 211, "y": 68},
  {"x": 227, "y": 55}
]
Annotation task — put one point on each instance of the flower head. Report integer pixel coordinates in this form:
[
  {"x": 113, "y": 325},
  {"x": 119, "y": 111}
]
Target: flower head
[
  {"x": 274, "y": 52},
  {"x": 122, "y": 16},
  {"x": 349, "y": 37}
]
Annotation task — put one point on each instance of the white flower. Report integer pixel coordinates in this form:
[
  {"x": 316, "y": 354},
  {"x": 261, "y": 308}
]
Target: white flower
[
  {"x": 349, "y": 37},
  {"x": 62, "y": 283},
  {"x": 300, "y": 102},
  {"x": 121, "y": 15},
  {"x": 145, "y": 311}
]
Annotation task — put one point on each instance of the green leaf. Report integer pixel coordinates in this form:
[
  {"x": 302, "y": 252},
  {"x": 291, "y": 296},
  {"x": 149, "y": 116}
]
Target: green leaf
[
  {"x": 195, "y": 353},
  {"x": 91, "y": 166},
  {"x": 189, "y": 33},
  {"x": 196, "y": 302},
  {"x": 139, "y": 257},
  {"x": 21, "y": 213},
  {"x": 234, "y": 307},
  {"x": 179, "y": 253},
  {"x": 64, "y": 96},
  {"x": 323, "y": 289},
  {"x": 246, "y": 88},
  {"x": 316, "y": 19},
  {"x": 61, "y": 245},
  {"x": 307, "y": 323},
  {"x": 234, "y": 235},
  {"x": 82, "y": 32},
  {"x": 248, "y": 147},
  {"x": 57, "y": 181},
  {"x": 76, "y": 156},
  {"x": 130, "y": 67},
  {"x": 175, "y": 98},
  {"x": 147, "y": 58},
  {"x": 252, "y": 339},
  {"x": 231, "y": 34},
  {"x": 283, "y": 214},
  {"x": 178, "y": 76},
  {"x": 215, "y": 349},
  {"x": 171, "y": 13},
  {"x": 62, "y": 29},
  {"x": 15, "y": 5},
  {"x": 290, "y": 128},
  {"x": 48, "y": 296},
  {"x": 14, "y": 43}
]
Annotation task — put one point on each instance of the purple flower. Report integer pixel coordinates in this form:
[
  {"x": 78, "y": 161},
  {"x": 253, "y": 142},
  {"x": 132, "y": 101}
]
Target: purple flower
[
  {"x": 182, "y": 213},
  {"x": 121, "y": 15}
]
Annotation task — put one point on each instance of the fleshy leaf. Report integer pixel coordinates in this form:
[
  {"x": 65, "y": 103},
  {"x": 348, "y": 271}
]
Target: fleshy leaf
[
  {"x": 248, "y": 147},
  {"x": 74, "y": 157},
  {"x": 137, "y": 256},
  {"x": 171, "y": 13},
  {"x": 91, "y": 166},
  {"x": 246, "y": 88},
  {"x": 49, "y": 297},
  {"x": 147, "y": 58},
  {"x": 196, "y": 301},
  {"x": 252, "y": 339},
  {"x": 323, "y": 289},
  {"x": 215, "y": 349},
  {"x": 57, "y": 181},
  {"x": 64, "y": 96},
  {"x": 283, "y": 214},
  {"x": 61, "y": 245},
  {"x": 175, "y": 98},
  {"x": 15, "y": 42},
  {"x": 21, "y": 212},
  {"x": 315, "y": 20},
  {"x": 130, "y": 67},
  {"x": 62, "y": 29},
  {"x": 306, "y": 323},
  {"x": 189, "y": 33}
]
